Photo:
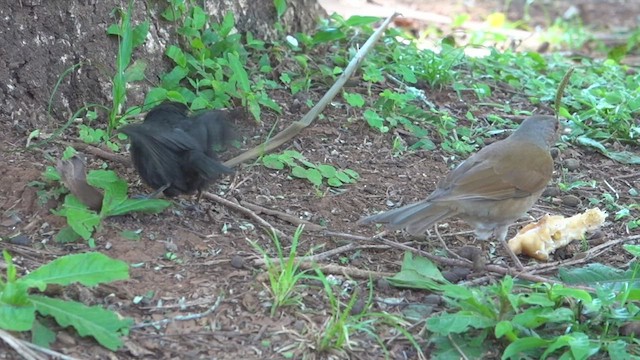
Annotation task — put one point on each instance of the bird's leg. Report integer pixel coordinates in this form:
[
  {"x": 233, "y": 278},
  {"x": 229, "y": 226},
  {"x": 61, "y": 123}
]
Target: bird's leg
[
  {"x": 501, "y": 234},
  {"x": 153, "y": 195}
]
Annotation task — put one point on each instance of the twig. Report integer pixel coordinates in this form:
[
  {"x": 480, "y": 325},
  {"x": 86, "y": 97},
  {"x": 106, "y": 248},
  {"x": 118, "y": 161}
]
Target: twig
[
  {"x": 455, "y": 345},
  {"x": 297, "y": 126},
  {"x": 591, "y": 253},
  {"x": 321, "y": 256},
  {"x": 351, "y": 272},
  {"x": 104, "y": 154},
  {"x": 19, "y": 346},
  {"x": 309, "y": 226},
  {"x": 199, "y": 302},
  {"x": 237, "y": 207},
  {"x": 444, "y": 244},
  {"x": 180, "y": 317},
  {"x": 455, "y": 262},
  {"x": 347, "y": 271}
]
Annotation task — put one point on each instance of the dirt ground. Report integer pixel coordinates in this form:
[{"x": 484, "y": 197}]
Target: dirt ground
[{"x": 215, "y": 259}]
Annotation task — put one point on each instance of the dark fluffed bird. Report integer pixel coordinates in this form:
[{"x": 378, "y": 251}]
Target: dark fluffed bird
[
  {"x": 491, "y": 189},
  {"x": 174, "y": 152}
]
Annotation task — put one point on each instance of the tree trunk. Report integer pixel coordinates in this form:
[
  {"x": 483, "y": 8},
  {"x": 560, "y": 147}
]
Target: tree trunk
[{"x": 40, "y": 40}]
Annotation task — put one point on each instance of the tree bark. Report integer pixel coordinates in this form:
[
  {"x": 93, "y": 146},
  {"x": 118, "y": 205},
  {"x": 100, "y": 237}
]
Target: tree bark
[{"x": 40, "y": 40}]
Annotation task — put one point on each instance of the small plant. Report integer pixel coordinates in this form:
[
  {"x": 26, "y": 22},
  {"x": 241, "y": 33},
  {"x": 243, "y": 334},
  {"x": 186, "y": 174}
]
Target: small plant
[
  {"x": 19, "y": 303},
  {"x": 129, "y": 37},
  {"x": 536, "y": 321},
  {"x": 343, "y": 322},
  {"x": 284, "y": 273},
  {"x": 82, "y": 221},
  {"x": 303, "y": 169},
  {"x": 211, "y": 68}
]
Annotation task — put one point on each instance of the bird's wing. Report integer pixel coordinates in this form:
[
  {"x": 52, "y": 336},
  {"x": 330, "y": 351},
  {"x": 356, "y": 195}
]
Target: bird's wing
[{"x": 498, "y": 174}]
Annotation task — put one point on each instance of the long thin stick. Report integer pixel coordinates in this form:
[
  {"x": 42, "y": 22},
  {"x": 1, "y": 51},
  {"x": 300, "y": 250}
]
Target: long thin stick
[{"x": 297, "y": 126}]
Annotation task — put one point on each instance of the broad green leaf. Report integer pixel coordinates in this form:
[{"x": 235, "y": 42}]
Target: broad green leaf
[
  {"x": 299, "y": 172},
  {"x": 67, "y": 235},
  {"x": 328, "y": 171},
  {"x": 88, "y": 269},
  {"x": 135, "y": 72},
  {"x": 328, "y": 35},
  {"x": 272, "y": 161},
  {"x": 42, "y": 335},
  {"x": 82, "y": 220},
  {"x": 522, "y": 346},
  {"x": 149, "y": 206},
  {"x": 314, "y": 176},
  {"x": 343, "y": 177},
  {"x": 140, "y": 32},
  {"x": 17, "y": 318},
  {"x": 177, "y": 55},
  {"x": 154, "y": 97},
  {"x": 354, "y": 99},
  {"x": 358, "y": 20},
  {"x": 459, "y": 322},
  {"x": 200, "y": 103},
  {"x": 503, "y": 328},
  {"x": 199, "y": 18},
  {"x": 239, "y": 72},
  {"x": 334, "y": 182},
  {"x": 281, "y": 7},
  {"x": 172, "y": 79},
  {"x": 103, "y": 325}
]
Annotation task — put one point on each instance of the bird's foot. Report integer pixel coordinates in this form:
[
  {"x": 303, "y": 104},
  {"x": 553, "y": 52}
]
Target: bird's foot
[
  {"x": 514, "y": 257},
  {"x": 153, "y": 195},
  {"x": 190, "y": 206}
]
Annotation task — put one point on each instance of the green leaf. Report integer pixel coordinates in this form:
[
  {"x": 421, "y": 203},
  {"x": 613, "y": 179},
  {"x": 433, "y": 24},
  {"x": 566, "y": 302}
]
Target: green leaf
[
  {"x": 419, "y": 273},
  {"x": 200, "y": 103},
  {"x": 354, "y": 99},
  {"x": 239, "y": 72},
  {"x": 343, "y": 177},
  {"x": 503, "y": 328},
  {"x": 177, "y": 55},
  {"x": 281, "y": 7},
  {"x": 375, "y": 121},
  {"x": 135, "y": 72},
  {"x": 228, "y": 23},
  {"x": 272, "y": 161},
  {"x": 154, "y": 97},
  {"x": 17, "y": 318},
  {"x": 314, "y": 176},
  {"x": 67, "y": 235},
  {"x": 140, "y": 33},
  {"x": 130, "y": 234},
  {"x": 459, "y": 322},
  {"x": 149, "y": 206},
  {"x": 82, "y": 220},
  {"x": 354, "y": 175},
  {"x": 88, "y": 269},
  {"x": 328, "y": 171},
  {"x": 104, "y": 326},
  {"x": 521, "y": 346},
  {"x": 334, "y": 182},
  {"x": 199, "y": 18},
  {"x": 114, "y": 29},
  {"x": 624, "y": 157},
  {"x": 299, "y": 172},
  {"x": 172, "y": 79},
  {"x": 358, "y": 20},
  {"x": 42, "y": 335},
  {"x": 328, "y": 35}
]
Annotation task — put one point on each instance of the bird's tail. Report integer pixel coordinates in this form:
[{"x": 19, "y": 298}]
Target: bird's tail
[
  {"x": 206, "y": 166},
  {"x": 414, "y": 218}
]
